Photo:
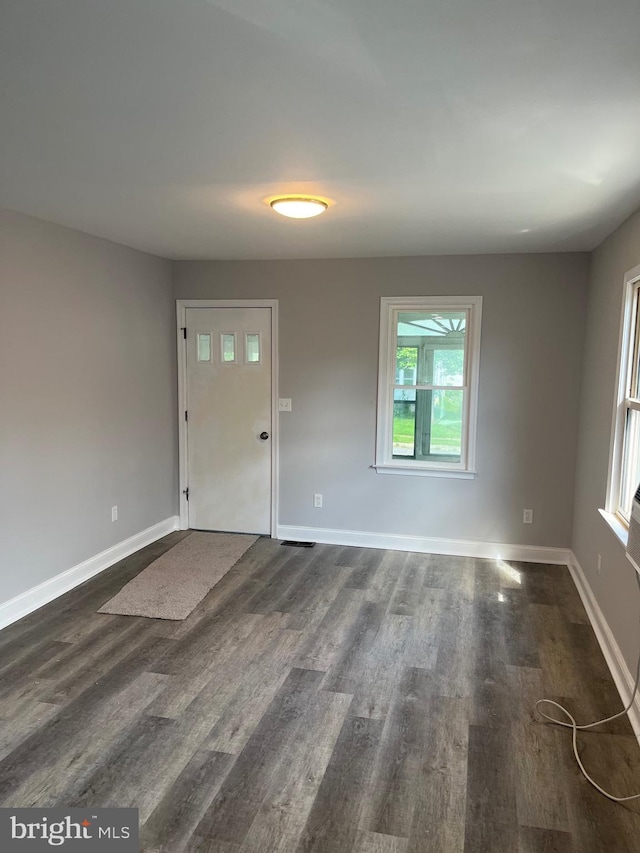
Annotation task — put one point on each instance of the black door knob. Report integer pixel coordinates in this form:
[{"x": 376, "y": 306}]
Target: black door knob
[{"x": 264, "y": 436}]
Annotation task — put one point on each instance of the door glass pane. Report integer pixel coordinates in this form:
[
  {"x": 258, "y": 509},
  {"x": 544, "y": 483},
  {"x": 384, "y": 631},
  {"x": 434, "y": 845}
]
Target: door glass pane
[
  {"x": 228, "y": 347},
  {"x": 252, "y": 348},
  {"x": 630, "y": 462},
  {"x": 204, "y": 346}
]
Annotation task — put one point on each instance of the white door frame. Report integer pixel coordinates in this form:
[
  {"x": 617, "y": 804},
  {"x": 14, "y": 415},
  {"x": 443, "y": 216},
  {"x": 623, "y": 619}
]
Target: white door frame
[{"x": 181, "y": 314}]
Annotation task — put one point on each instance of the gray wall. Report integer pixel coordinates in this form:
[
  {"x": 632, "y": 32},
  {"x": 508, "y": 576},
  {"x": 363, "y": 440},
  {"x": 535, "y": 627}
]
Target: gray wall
[
  {"x": 87, "y": 397},
  {"x": 614, "y": 587},
  {"x": 532, "y": 336}
]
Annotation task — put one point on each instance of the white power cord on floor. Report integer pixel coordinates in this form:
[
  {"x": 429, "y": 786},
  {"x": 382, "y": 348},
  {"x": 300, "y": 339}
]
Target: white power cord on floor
[{"x": 573, "y": 725}]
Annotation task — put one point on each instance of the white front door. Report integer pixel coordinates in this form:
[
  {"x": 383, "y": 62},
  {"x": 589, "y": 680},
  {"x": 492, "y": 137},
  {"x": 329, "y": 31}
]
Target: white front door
[{"x": 229, "y": 419}]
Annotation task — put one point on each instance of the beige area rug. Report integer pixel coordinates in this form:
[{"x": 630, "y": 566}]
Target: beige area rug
[{"x": 171, "y": 586}]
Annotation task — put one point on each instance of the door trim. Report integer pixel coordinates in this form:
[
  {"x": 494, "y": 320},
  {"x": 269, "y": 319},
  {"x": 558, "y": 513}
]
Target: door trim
[{"x": 181, "y": 316}]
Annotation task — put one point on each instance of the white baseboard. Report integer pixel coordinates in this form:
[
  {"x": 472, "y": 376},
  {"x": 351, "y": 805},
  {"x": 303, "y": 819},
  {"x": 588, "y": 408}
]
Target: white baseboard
[
  {"x": 426, "y": 545},
  {"x": 622, "y": 677},
  {"x": 32, "y": 599}
]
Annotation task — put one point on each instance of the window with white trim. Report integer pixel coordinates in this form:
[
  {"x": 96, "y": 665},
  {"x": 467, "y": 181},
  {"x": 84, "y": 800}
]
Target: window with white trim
[
  {"x": 428, "y": 385},
  {"x": 625, "y": 473}
]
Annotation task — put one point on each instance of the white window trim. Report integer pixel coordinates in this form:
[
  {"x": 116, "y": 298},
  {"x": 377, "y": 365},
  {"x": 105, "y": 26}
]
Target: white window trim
[
  {"x": 611, "y": 515},
  {"x": 385, "y": 464}
]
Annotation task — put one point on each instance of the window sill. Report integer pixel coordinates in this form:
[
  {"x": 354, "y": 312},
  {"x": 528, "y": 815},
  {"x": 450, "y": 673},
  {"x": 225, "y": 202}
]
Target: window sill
[
  {"x": 418, "y": 471},
  {"x": 619, "y": 530}
]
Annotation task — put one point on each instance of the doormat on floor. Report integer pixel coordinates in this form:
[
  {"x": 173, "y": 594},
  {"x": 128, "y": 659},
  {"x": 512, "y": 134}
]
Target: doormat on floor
[{"x": 171, "y": 586}]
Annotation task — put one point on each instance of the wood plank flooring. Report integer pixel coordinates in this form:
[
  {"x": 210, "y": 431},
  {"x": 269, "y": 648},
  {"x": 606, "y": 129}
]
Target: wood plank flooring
[{"x": 325, "y": 700}]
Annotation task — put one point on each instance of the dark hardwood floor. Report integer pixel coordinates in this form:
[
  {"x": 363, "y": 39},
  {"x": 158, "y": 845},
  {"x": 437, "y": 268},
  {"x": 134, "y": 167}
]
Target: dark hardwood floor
[{"x": 324, "y": 700}]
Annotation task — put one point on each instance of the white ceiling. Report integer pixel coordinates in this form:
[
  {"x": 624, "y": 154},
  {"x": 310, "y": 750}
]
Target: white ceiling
[{"x": 437, "y": 126}]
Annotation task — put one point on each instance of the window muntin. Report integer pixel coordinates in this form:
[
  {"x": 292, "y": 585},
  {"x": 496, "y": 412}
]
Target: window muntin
[{"x": 429, "y": 351}]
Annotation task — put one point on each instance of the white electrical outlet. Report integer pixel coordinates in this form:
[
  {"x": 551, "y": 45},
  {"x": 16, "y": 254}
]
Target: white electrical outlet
[
  {"x": 317, "y": 501},
  {"x": 599, "y": 563},
  {"x": 114, "y": 513},
  {"x": 527, "y": 516},
  {"x": 284, "y": 404}
]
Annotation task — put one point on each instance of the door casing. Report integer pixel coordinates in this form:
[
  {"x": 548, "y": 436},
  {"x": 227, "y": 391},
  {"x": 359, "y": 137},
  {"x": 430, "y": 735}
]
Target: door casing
[{"x": 181, "y": 308}]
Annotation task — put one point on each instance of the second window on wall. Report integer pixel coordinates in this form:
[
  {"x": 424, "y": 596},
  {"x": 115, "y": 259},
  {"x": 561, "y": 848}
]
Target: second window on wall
[{"x": 625, "y": 461}]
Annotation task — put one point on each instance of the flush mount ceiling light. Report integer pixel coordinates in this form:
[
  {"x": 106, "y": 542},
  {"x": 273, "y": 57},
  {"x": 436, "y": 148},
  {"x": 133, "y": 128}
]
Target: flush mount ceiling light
[{"x": 298, "y": 207}]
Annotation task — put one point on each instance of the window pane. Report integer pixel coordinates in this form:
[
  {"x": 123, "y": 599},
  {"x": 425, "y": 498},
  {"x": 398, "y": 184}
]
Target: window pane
[
  {"x": 430, "y": 347},
  {"x": 448, "y": 366},
  {"x": 439, "y": 425},
  {"x": 252, "y": 348},
  {"x": 402, "y": 394},
  {"x": 228, "y": 346},
  {"x": 446, "y": 424},
  {"x": 406, "y": 365},
  {"x": 427, "y": 425},
  {"x": 404, "y": 427},
  {"x": 634, "y": 377},
  {"x": 204, "y": 346},
  {"x": 630, "y": 462}
]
